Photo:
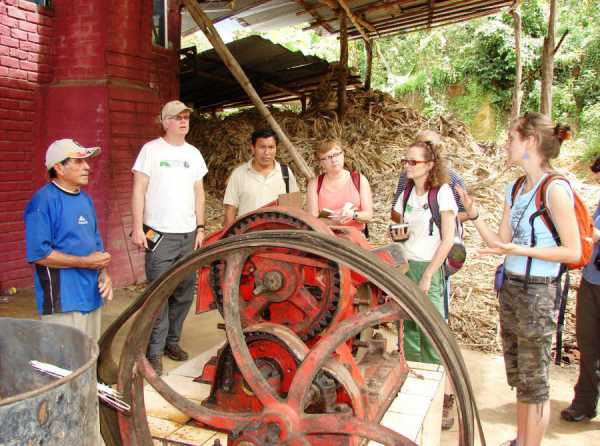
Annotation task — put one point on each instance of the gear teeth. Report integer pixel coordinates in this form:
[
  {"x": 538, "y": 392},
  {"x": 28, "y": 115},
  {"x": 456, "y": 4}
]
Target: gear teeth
[{"x": 323, "y": 320}]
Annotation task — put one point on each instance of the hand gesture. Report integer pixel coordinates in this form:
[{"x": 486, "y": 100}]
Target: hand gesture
[
  {"x": 500, "y": 249},
  {"x": 199, "y": 239},
  {"x": 468, "y": 202},
  {"x": 346, "y": 213},
  {"x": 139, "y": 238},
  {"x": 97, "y": 260},
  {"x": 425, "y": 283},
  {"x": 105, "y": 285}
]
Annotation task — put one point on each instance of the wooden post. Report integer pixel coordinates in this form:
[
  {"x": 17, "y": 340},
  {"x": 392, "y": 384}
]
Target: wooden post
[
  {"x": 369, "y": 68},
  {"x": 343, "y": 67},
  {"x": 548, "y": 64},
  {"x": 517, "y": 92},
  {"x": 214, "y": 38}
]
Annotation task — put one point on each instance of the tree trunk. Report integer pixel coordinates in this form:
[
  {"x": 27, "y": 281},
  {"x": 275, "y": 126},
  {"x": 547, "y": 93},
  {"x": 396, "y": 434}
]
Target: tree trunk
[
  {"x": 517, "y": 93},
  {"x": 221, "y": 49},
  {"x": 548, "y": 64},
  {"x": 369, "y": 67},
  {"x": 343, "y": 67}
]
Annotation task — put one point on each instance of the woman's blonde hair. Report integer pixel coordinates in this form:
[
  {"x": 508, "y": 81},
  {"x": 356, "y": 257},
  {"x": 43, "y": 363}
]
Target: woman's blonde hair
[
  {"x": 326, "y": 145},
  {"x": 438, "y": 174},
  {"x": 549, "y": 136}
]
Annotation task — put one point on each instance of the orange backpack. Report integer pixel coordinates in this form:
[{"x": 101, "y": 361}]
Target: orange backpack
[{"x": 584, "y": 221}]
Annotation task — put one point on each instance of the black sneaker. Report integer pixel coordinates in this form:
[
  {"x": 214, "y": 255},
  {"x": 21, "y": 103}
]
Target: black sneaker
[
  {"x": 175, "y": 352},
  {"x": 156, "y": 363},
  {"x": 573, "y": 414}
]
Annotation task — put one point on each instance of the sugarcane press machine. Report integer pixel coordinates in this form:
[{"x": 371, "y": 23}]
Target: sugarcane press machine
[{"x": 313, "y": 320}]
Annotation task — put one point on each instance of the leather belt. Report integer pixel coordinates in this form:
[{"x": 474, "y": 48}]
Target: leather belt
[{"x": 532, "y": 279}]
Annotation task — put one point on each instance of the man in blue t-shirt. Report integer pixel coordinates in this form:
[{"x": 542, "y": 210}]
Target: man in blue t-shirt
[
  {"x": 587, "y": 315},
  {"x": 63, "y": 242}
]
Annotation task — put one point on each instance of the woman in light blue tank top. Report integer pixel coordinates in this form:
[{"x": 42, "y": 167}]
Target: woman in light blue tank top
[{"x": 527, "y": 313}]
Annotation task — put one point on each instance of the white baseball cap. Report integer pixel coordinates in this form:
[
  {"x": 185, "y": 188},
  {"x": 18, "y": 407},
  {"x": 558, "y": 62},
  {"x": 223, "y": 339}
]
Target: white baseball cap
[
  {"x": 173, "y": 108},
  {"x": 62, "y": 149}
]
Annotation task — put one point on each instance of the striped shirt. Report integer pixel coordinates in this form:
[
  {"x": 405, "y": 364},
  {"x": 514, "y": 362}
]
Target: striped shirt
[{"x": 455, "y": 179}]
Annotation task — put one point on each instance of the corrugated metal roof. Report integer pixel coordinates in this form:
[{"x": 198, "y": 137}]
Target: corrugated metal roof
[
  {"x": 277, "y": 73},
  {"x": 376, "y": 17}
]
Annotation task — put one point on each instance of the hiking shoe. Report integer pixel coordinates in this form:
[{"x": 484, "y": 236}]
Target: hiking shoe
[
  {"x": 156, "y": 363},
  {"x": 447, "y": 417},
  {"x": 175, "y": 352},
  {"x": 573, "y": 414}
]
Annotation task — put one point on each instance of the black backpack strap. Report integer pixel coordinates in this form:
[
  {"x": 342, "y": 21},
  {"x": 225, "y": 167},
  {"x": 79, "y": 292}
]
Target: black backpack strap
[
  {"x": 320, "y": 179},
  {"x": 285, "y": 173},
  {"x": 515, "y": 189},
  {"x": 561, "y": 303},
  {"x": 541, "y": 201},
  {"x": 406, "y": 195},
  {"x": 434, "y": 207}
]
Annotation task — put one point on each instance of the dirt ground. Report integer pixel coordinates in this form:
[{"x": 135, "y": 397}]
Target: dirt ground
[{"x": 494, "y": 398}]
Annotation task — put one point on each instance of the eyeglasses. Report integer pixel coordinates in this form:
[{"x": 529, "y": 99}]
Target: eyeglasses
[
  {"x": 413, "y": 162},
  {"x": 180, "y": 118},
  {"x": 331, "y": 157}
]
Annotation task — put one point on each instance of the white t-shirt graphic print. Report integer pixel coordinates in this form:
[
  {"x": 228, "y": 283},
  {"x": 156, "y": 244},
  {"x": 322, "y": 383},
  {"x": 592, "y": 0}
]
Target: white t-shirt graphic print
[
  {"x": 421, "y": 246},
  {"x": 172, "y": 170}
]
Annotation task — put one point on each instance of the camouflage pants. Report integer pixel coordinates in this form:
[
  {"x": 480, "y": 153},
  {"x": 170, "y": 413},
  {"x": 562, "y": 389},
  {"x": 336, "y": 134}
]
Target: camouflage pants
[{"x": 528, "y": 321}]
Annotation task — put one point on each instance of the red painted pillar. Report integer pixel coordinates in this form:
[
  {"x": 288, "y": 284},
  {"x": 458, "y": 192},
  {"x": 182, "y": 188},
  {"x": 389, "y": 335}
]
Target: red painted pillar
[{"x": 109, "y": 83}]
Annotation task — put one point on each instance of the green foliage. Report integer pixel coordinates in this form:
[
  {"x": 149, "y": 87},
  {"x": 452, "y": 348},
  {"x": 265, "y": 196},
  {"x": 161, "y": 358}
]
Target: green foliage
[
  {"x": 422, "y": 67},
  {"x": 590, "y": 117}
]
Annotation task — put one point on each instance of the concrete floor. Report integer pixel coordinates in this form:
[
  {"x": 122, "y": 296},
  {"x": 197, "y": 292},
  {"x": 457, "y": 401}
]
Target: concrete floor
[{"x": 494, "y": 398}]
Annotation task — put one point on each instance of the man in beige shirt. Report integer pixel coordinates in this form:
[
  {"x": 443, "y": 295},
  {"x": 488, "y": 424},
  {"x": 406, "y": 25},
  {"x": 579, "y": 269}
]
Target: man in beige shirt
[{"x": 259, "y": 181}]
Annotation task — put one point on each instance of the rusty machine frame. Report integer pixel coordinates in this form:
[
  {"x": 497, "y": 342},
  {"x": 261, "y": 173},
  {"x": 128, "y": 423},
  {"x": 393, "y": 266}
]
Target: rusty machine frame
[{"x": 325, "y": 376}]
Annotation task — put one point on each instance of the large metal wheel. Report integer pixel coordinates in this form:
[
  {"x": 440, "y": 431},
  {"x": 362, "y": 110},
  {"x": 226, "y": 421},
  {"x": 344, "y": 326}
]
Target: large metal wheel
[
  {"x": 310, "y": 298},
  {"x": 283, "y": 419}
]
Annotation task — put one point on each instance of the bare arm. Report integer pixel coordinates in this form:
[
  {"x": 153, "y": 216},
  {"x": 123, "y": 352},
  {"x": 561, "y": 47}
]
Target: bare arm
[
  {"x": 447, "y": 235},
  {"x": 463, "y": 217},
  {"x": 312, "y": 199},
  {"x": 57, "y": 259},
  {"x": 366, "y": 201},
  {"x": 490, "y": 237},
  {"x": 140, "y": 186},
  {"x": 229, "y": 214},
  {"x": 563, "y": 216},
  {"x": 105, "y": 284},
  {"x": 199, "y": 210}
]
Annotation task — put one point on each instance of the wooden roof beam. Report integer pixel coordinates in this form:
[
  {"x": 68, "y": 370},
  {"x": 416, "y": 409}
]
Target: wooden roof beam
[
  {"x": 423, "y": 9},
  {"x": 324, "y": 24},
  {"x": 418, "y": 19},
  {"x": 403, "y": 29},
  {"x": 358, "y": 22}
]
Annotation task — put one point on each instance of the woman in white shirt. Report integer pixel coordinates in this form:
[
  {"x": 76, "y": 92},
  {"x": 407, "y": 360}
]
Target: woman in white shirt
[{"x": 426, "y": 245}]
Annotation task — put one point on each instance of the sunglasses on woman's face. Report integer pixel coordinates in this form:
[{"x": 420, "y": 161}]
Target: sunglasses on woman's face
[
  {"x": 413, "y": 162},
  {"x": 331, "y": 157}
]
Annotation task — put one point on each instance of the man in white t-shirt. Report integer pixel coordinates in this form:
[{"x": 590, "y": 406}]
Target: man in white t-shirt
[
  {"x": 259, "y": 181},
  {"x": 168, "y": 199}
]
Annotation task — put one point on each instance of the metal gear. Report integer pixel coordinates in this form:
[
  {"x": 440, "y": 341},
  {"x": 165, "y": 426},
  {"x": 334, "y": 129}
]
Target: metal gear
[{"x": 327, "y": 298}]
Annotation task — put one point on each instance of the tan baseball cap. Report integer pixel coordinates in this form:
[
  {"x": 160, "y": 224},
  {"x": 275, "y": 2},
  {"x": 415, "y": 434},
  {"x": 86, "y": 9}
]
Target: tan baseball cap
[
  {"x": 173, "y": 108},
  {"x": 62, "y": 149}
]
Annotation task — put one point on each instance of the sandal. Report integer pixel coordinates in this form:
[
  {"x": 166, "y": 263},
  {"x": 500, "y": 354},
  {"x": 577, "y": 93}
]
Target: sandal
[{"x": 510, "y": 443}]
